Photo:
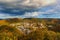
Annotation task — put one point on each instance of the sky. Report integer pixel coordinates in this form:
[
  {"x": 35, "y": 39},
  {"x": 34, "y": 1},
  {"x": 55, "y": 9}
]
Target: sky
[{"x": 29, "y": 8}]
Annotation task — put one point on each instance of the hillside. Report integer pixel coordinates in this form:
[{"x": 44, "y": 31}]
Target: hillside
[
  {"x": 49, "y": 23},
  {"x": 3, "y": 22},
  {"x": 30, "y": 29}
]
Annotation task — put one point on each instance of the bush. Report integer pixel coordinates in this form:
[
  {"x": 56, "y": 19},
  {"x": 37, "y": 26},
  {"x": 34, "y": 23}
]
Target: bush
[{"x": 58, "y": 36}]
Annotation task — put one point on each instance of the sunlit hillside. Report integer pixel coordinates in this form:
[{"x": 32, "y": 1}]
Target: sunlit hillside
[
  {"x": 3, "y": 22},
  {"x": 30, "y": 29}
]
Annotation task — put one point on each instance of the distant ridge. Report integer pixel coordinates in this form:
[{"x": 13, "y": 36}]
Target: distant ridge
[
  {"x": 1, "y": 19},
  {"x": 29, "y": 18}
]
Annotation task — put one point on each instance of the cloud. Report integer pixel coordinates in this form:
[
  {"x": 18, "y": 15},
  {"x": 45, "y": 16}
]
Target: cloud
[
  {"x": 31, "y": 14},
  {"x": 46, "y": 12},
  {"x": 27, "y": 3},
  {"x": 4, "y": 16},
  {"x": 19, "y": 7},
  {"x": 29, "y": 8}
]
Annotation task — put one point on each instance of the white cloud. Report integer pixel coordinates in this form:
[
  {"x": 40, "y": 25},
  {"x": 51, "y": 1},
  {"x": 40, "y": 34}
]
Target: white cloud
[
  {"x": 33, "y": 14},
  {"x": 3, "y": 16},
  {"x": 28, "y": 3}
]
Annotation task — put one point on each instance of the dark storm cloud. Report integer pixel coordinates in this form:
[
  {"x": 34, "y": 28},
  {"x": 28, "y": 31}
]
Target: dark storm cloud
[{"x": 13, "y": 10}]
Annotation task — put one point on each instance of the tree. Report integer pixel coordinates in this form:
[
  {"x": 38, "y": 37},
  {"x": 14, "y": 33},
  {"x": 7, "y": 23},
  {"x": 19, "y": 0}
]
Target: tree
[
  {"x": 58, "y": 36},
  {"x": 51, "y": 35}
]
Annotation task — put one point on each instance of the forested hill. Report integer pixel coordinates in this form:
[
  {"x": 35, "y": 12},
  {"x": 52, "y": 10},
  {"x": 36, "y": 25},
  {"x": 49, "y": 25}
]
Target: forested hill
[
  {"x": 46, "y": 20},
  {"x": 51, "y": 24},
  {"x": 29, "y": 29}
]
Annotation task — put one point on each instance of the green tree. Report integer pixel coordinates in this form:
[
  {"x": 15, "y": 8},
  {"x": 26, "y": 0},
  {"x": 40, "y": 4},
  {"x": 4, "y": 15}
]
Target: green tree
[{"x": 58, "y": 36}]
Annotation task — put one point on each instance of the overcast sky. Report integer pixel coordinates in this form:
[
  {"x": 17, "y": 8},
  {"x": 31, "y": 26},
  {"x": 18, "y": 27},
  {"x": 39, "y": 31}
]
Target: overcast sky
[{"x": 29, "y": 8}]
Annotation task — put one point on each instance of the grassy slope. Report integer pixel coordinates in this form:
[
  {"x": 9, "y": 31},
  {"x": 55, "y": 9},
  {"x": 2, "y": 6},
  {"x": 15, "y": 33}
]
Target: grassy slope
[{"x": 3, "y": 22}]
